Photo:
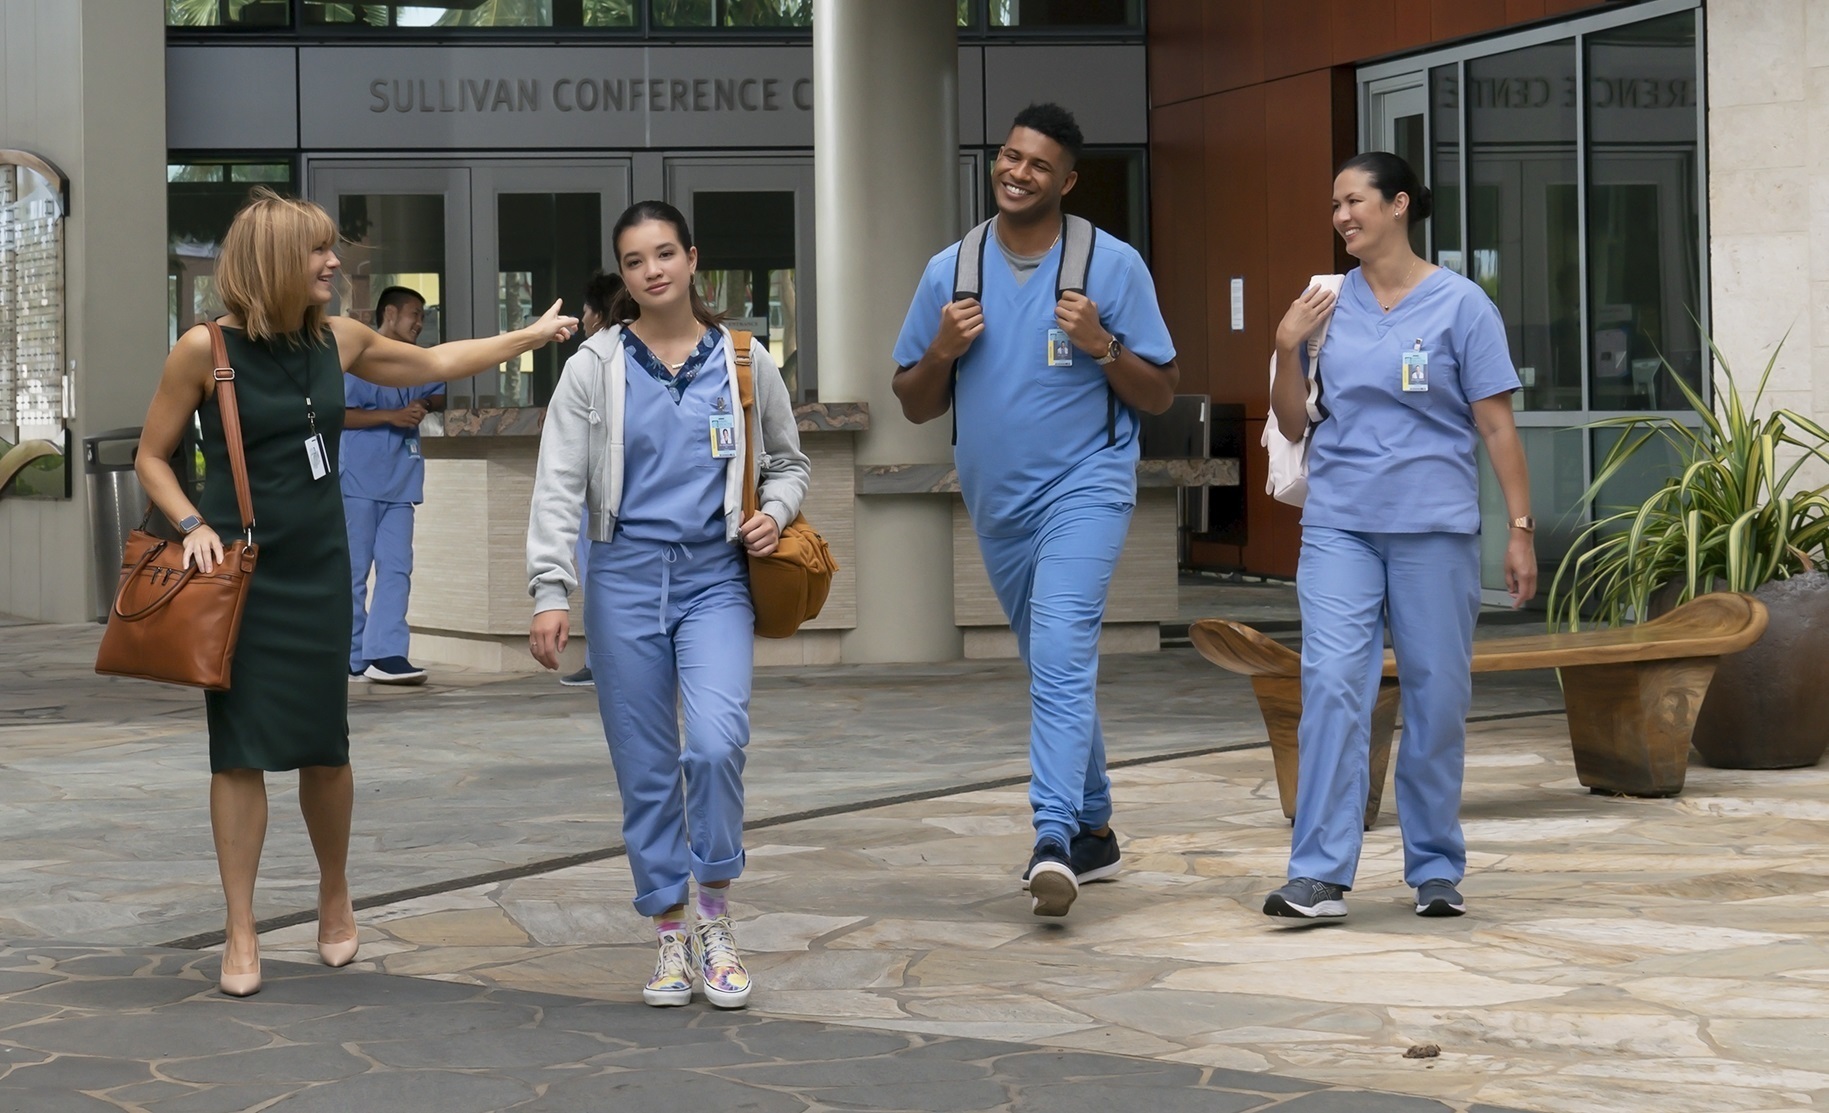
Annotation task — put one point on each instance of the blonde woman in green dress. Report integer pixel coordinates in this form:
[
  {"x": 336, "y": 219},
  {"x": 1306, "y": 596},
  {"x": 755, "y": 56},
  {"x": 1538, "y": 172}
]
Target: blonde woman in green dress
[{"x": 288, "y": 706}]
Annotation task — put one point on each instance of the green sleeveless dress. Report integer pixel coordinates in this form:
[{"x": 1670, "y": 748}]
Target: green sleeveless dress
[{"x": 288, "y": 701}]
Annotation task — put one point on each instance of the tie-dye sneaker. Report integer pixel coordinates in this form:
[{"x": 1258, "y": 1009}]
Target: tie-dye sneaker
[
  {"x": 721, "y": 972},
  {"x": 672, "y": 980}
]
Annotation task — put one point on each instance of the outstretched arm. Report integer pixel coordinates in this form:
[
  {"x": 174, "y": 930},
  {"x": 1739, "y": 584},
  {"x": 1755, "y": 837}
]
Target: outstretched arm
[{"x": 369, "y": 355}]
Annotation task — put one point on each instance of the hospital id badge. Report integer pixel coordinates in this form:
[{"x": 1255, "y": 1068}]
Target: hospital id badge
[
  {"x": 412, "y": 447},
  {"x": 319, "y": 458},
  {"x": 1416, "y": 370},
  {"x": 1060, "y": 348},
  {"x": 723, "y": 436}
]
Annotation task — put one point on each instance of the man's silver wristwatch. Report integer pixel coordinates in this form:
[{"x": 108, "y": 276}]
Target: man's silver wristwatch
[{"x": 1111, "y": 352}]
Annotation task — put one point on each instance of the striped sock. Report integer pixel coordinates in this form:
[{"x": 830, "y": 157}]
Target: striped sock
[
  {"x": 713, "y": 903},
  {"x": 671, "y": 922}
]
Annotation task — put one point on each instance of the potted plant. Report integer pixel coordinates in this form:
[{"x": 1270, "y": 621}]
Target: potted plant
[{"x": 1731, "y": 519}]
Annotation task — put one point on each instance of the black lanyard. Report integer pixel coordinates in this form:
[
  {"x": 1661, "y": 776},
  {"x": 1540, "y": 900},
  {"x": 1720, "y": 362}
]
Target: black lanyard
[{"x": 304, "y": 388}]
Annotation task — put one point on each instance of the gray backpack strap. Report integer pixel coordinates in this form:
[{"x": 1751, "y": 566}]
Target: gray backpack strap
[
  {"x": 968, "y": 282},
  {"x": 1077, "y": 239},
  {"x": 1076, "y": 255}
]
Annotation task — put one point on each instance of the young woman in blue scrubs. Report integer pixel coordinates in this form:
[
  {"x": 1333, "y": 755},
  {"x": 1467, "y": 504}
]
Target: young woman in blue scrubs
[
  {"x": 1416, "y": 374},
  {"x": 633, "y": 431}
]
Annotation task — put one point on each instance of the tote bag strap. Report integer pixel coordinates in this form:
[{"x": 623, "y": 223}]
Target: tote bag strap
[
  {"x": 746, "y": 392},
  {"x": 231, "y": 425}
]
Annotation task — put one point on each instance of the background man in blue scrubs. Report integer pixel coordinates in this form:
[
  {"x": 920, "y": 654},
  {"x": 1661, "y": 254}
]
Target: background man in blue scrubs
[
  {"x": 1046, "y": 465},
  {"x": 383, "y": 478}
]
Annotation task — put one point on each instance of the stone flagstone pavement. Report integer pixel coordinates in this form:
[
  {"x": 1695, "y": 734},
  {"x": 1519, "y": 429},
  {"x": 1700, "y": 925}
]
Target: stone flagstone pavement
[{"x": 1620, "y": 954}]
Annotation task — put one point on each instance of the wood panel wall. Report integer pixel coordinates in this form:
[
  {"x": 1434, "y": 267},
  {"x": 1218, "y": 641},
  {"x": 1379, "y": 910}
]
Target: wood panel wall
[{"x": 1252, "y": 104}]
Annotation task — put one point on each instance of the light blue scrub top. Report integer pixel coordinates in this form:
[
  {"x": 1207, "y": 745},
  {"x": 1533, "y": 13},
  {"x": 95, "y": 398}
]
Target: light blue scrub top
[
  {"x": 383, "y": 462},
  {"x": 672, "y": 486},
  {"x": 1387, "y": 460},
  {"x": 1031, "y": 434}
]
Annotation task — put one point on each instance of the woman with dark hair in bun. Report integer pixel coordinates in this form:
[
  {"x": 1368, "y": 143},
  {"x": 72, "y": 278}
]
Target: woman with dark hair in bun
[{"x": 1416, "y": 374}]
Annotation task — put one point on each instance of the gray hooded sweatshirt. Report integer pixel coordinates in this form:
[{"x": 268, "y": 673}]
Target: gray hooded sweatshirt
[{"x": 581, "y": 447}]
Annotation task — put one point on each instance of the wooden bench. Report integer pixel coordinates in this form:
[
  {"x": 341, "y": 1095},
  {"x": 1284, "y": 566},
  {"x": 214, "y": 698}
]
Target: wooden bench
[{"x": 1632, "y": 692}]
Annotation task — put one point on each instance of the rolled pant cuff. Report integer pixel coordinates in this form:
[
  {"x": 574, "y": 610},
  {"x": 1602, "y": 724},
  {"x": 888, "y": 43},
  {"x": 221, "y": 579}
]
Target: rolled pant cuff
[
  {"x": 727, "y": 870},
  {"x": 653, "y": 904}
]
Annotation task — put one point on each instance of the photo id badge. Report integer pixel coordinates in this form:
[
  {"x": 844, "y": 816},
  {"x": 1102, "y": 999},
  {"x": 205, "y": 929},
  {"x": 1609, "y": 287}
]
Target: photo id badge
[
  {"x": 320, "y": 459},
  {"x": 1416, "y": 370},
  {"x": 412, "y": 447},
  {"x": 723, "y": 436},
  {"x": 1060, "y": 348}
]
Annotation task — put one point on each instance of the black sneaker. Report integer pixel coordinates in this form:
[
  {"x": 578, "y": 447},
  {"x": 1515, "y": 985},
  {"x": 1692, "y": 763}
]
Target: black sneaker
[
  {"x": 1050, "y": 881},
  {"x": 1304, "y": 898},
  {"x": 359, "y": 676},
  {"x": 580, "y": 679},
  {"x": 1439, "y": 898},
  {"x": 395, "y": 670},
  {"x": 1093, "y": 857}
]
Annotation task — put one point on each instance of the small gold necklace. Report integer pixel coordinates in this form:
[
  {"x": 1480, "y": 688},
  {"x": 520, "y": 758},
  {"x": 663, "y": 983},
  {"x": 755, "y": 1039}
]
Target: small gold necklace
[{"x": 1400, "y": 287}]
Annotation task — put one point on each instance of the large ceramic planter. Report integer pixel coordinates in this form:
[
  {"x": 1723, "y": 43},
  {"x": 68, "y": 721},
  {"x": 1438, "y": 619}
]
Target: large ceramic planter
[{"x": 1768, "y": 706}]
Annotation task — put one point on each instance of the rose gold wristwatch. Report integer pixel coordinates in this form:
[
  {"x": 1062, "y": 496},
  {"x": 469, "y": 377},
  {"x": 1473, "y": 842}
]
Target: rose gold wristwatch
[{"x": 1527, "y": 523}]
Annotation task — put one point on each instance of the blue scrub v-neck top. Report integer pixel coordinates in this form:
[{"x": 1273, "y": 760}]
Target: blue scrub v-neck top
[
  {"x": 1031, "y": 435},
  {"x": 672, "y": 484},
  {"x": 382, "y": 462},
  {"x": 1387, "y": 460}
]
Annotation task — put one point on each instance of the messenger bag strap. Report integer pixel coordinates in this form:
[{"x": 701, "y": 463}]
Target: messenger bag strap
[
  {"x": 752, "y": 428},
  {"x": 231, "y": 425}
]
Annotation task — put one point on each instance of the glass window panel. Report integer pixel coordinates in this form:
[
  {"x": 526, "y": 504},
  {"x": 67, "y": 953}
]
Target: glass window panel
[
  {"x": 747, "y": 269},
  {"x": 1644, "y": 213},
  {"x": 731, "y": 13},
  {"x": 548, "y": 245},
  {"x": 201, "y": 199},
  {"x": 1558, "y": 480},
  {"x": 458, "y": 14},
  {"x": 1110, "y": 193},
  {"x": 1445, "y": 167},
  {"x": 393, "y": 239},
  {"x": 228, "y": 13},
  {"x": 1524, "y": 227},
  {"x": 1066, "y": 13}
]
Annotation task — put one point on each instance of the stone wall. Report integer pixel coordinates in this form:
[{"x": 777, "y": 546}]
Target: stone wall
[{"x": 1768, "y": 192}]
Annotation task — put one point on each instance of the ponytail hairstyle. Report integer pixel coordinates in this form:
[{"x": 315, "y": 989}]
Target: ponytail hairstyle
[
  {"x": 1390, "y": 176},
  {"x": 623, "y": 306}
]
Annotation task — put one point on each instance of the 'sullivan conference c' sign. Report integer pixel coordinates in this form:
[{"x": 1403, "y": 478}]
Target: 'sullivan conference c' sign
[
  {"x": 590, "y": 94},
  {"x": 555, "y": 97}
]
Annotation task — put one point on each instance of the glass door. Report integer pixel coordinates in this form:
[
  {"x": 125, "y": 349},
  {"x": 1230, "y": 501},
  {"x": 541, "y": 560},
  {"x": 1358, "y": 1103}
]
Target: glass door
[
  {"x": 1399, "y": 124},
  {"x": 542, "y": 230},
  {"x": 401, "y": 226},
  {"x": 752, "y": 220}
]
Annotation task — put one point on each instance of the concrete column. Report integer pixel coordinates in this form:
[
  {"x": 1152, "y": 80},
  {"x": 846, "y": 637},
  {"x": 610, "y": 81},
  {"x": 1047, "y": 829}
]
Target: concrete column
[{"x": 886, "y": 168}]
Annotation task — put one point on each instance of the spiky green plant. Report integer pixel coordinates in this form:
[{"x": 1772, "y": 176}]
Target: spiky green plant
[{"x": 1729, "y": 520}]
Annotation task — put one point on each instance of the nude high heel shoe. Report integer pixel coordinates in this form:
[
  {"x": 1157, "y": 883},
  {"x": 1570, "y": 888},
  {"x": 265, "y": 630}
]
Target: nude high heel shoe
[
  {"x": 338, "y": 954},
  {"x": 238, "y": 985}
]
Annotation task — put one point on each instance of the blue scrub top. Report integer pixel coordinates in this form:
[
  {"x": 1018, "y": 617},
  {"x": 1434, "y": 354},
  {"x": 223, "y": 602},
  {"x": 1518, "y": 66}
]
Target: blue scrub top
[
  {"x": 382, "y": 463},
  {"x": 1031, "y": 435},
  {"x": 672, "y": 485},
  {"x": 1387, "y": 460}
]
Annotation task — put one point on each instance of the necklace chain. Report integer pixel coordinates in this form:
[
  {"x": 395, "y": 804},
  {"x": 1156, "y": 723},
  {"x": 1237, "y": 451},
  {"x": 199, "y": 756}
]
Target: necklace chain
[{"x": 1400, "y": 286}]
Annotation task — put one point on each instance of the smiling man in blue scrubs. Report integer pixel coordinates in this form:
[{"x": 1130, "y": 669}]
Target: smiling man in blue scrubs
[
  {"x": 383, "y": 477},
  {"x": 1045, "y": 392}
]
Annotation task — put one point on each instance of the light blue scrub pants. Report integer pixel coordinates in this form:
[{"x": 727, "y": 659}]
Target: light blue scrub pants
[
  {"x": 668, "y": 625},
  {"x": 1427, "y": 585},
  {"x": 381, "y": 536},
  {"x": 1052, "y": 584}
]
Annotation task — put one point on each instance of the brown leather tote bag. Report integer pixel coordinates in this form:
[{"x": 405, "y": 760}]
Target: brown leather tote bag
[
  {"x": 790, "y": 585},
  {"x": 171, "y": 623}
]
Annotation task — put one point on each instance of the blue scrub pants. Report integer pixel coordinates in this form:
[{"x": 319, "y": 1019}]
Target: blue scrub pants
[
  {"x": 380, "y": 536},
  {"x": 1052, "y": 584},
  {"x": 666, "y": 626},
  {"x": 1427, "y": 585}
]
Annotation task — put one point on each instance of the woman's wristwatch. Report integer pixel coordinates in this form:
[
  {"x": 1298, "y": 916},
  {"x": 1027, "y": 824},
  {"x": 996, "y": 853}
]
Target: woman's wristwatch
[
  {"x": 189, "y": 525},
  {"x": 1527, "y": 523}
]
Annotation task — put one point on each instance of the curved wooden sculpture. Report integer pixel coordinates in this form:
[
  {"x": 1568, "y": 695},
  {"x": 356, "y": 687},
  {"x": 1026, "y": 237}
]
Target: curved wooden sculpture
[
  {"x": 1632, "y": 692},
  {"x": 17, "y": 457}
]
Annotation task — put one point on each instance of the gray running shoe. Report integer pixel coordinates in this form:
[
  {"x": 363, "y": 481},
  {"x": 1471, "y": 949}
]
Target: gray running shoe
[
  {"x": 1304, "y": 898},
  {"x": 1439, "y": 898},
  {"x": 580, "y": 679}
]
